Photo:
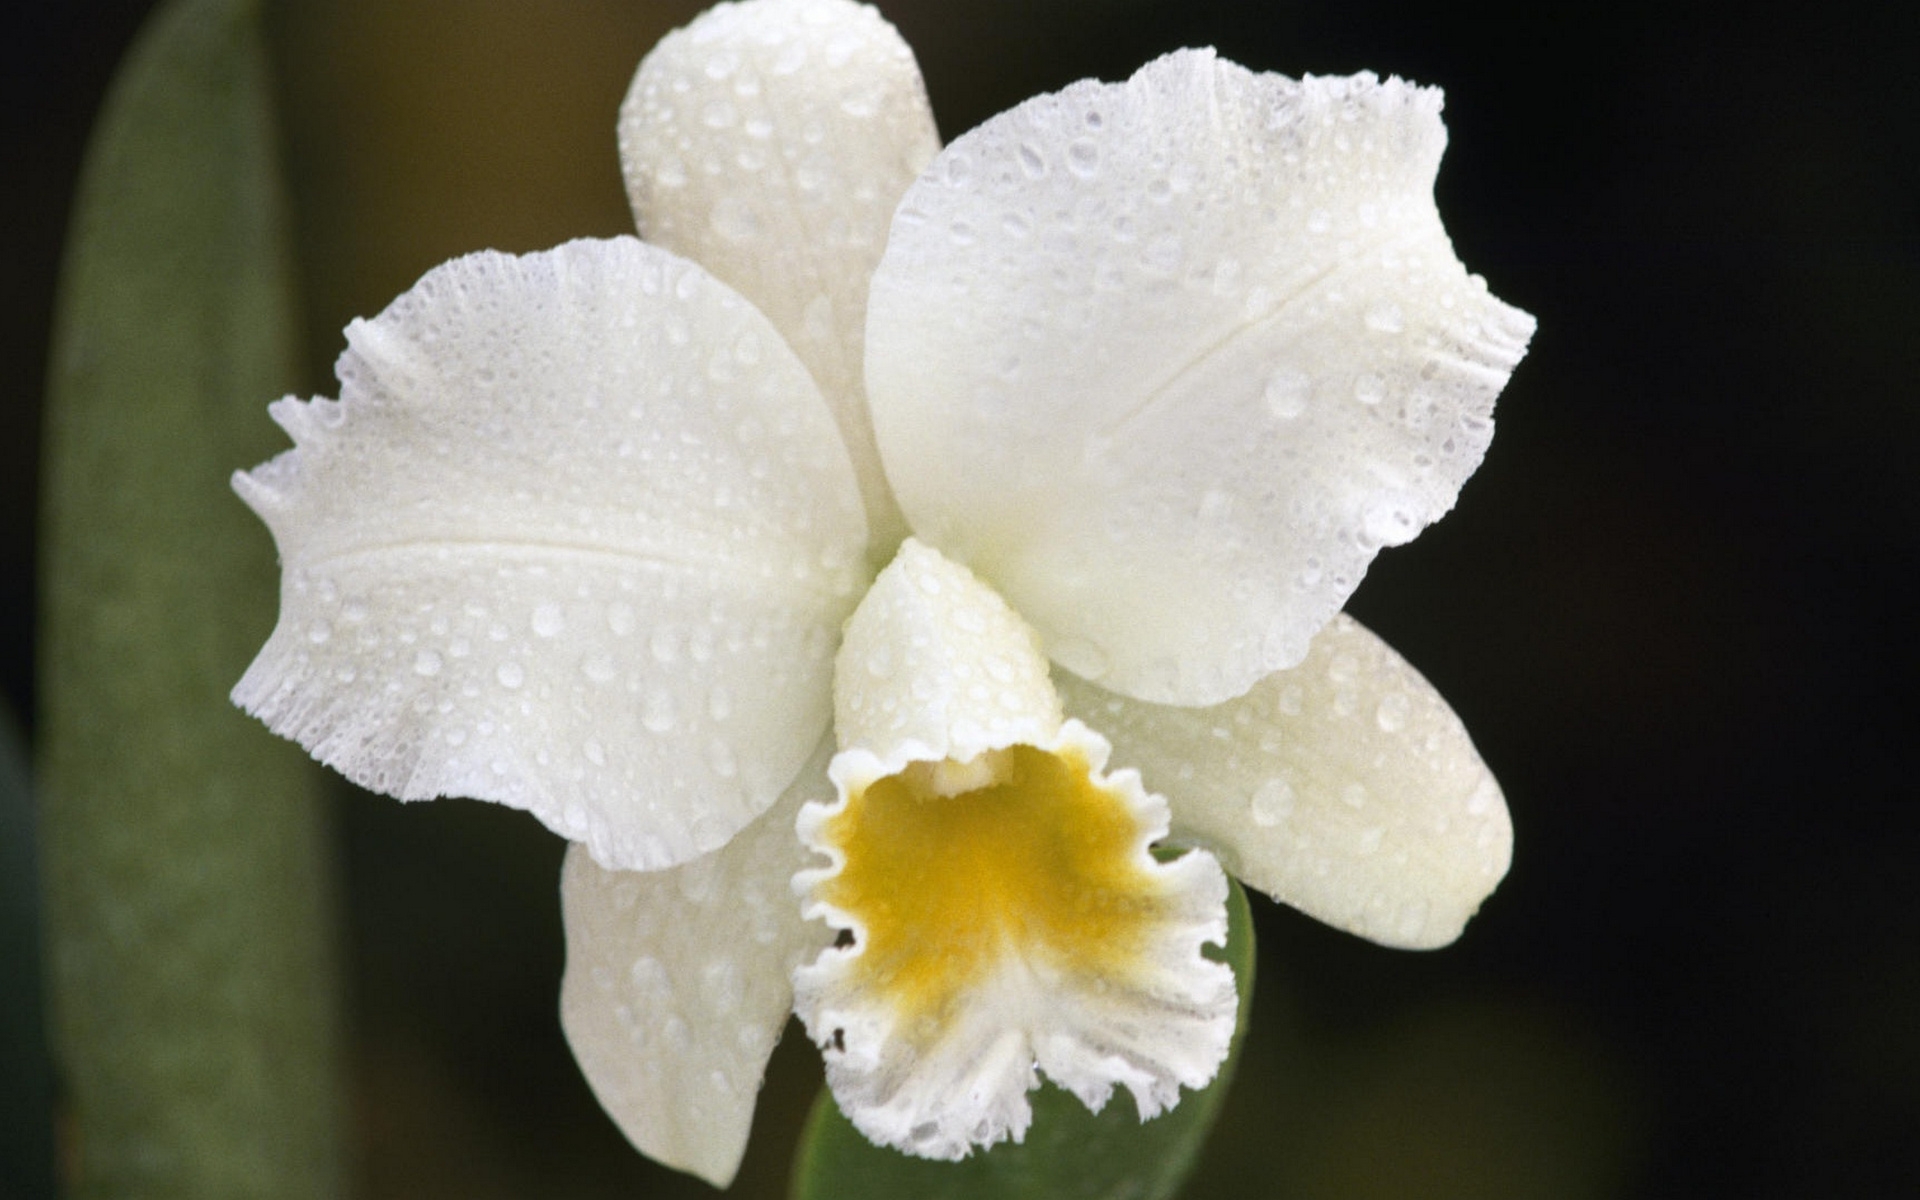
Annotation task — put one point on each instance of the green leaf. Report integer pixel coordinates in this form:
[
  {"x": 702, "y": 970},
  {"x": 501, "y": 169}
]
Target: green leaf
[
  {"x": 1069, "y": 1153},
  {"x": 183, "y": 848}
]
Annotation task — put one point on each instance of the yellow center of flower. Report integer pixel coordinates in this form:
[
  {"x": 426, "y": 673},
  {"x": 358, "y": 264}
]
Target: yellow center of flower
[{"x": 954, "y": 868}]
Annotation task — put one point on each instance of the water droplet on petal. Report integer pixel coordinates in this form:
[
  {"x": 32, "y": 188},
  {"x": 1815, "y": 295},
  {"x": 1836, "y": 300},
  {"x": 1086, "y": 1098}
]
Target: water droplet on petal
[
  {"x": 548, "y": 621},
  {"x": 1385, "y": 317},
  {"x": 657, "y": 712},
  {"x": 1287, "y": 391},
  {"x": 620, "y": 618},
  {"x": 427, "y": 663},
  {"x": 510, "y": 675},
  {"x": 1391, "y": 715},
  {"x": 1272, "y": 802},
  {"x": 1083, "y": 158}
]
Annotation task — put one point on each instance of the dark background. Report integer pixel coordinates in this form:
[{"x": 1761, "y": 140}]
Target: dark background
[{"x": 1672, "y": 606}]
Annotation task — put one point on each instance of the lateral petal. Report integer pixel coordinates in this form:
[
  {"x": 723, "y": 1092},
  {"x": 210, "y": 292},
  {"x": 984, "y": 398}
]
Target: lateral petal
[
  {"x": 1168, "y": 361},
  {"x": 578, "y": 537},
  {"x": 1344, "y": 786},
  {"x": 677, "y": 984},
  {"x": 769, "y": 141}
]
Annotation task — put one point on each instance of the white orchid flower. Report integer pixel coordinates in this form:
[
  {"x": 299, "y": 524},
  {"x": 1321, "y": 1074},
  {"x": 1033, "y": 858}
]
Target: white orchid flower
[{"x": 1135, "y": 377}]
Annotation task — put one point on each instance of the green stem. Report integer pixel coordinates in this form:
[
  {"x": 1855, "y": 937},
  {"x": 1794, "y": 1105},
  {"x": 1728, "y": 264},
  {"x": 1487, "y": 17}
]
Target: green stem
[{"x": 188, "y": 924}]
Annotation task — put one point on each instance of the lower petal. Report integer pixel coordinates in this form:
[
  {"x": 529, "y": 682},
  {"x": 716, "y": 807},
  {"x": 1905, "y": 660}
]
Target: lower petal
[{"x": 677, "y": 985}]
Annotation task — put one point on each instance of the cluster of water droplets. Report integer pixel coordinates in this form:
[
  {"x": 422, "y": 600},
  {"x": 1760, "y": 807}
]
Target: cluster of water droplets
[
  {"x": 1222, "y": 308},
  {"x": 564, "y": 518},
  {"x": 773, "y": 154},
  {"x": 677, "y": 980},
  {"x": 1348, "y": 772}
]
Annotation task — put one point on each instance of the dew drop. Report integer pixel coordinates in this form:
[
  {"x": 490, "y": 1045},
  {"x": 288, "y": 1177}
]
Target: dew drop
[
  {"x": 664, "y": 645},
  {"x": 1369, "y": 389},
  {"x": 1391, "y": 715},
  {"x": 649, "y": 977},
  {"x": 1083, "y": 158},
  {"x": 1083, "y": 657},
  {"x": 1354, "y": 795},
  {"x": 1387, "y": 522},
  {"x": 1370, "y": 838},
  {"x": 1385, "y": 317},
  {"x": 428, "y": 663},
  {"x": 1287, "y": 391},
  {"x": 1272, "y": 802},
  {"x": 734, "y": 219},
  {"x": 620, "y": 618},
  {"x": 595, "y": 752},
  {"x": 721, "y": 979},
  {"x": 1484, "y": 798},
  {"x": 510, "y": 675},
  {"x": 548, "y": 621},
  {"x": 598, "y": 667},
  {"x": 319, "y": 632},
  {"x": 657, "y": 713},
  {"x": 353, "y": 612},
  {"x": 1031, "y": 162}
]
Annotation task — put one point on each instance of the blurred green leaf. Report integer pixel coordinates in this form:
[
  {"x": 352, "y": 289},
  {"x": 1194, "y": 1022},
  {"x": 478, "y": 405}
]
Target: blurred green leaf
[
  {"x": 1069, "y": 1153},
  {"x": 183, "y": 848}
]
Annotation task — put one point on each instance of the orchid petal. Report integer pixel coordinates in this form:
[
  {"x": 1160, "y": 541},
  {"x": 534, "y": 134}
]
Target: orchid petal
[
  {"x": 577, "y": 537},
  {"x": 934, "y": 660},
  {"x": 769, "y": 141},
  {"x": 1002, "y": 907},
  {"x": 677, "y": 984},
  {"x": 1168, "y": 362},
  {"x": 1344, "y": 787}
]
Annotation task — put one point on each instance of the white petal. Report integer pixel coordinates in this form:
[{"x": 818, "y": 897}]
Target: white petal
[
  {"x": 1004, "y": 909},
  {"x": 1345, "y": 787},
  {"x": 1002, "y": 931},
  {"x": 769, "y": 141},
  {"x": 935, "y": 660},
  {"x": 1168, "y": 361},
  {"x": 577, "y": 537},
  {"x": 677, "y": 984}
]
